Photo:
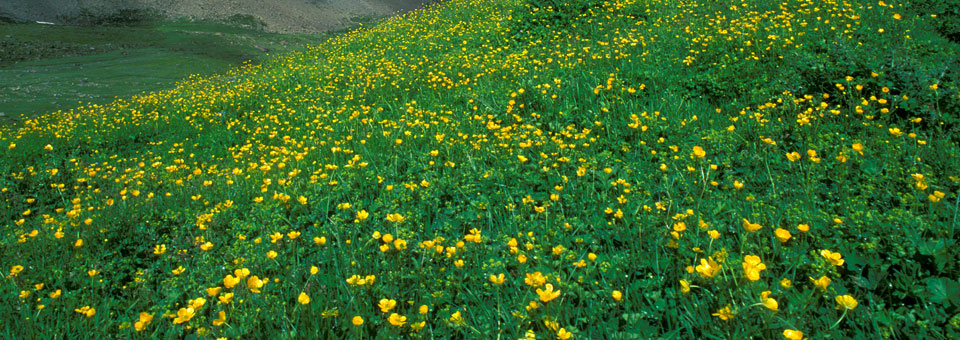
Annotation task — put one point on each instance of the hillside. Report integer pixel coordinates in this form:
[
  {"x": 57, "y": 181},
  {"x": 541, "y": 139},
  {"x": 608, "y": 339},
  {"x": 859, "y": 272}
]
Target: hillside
[
  {"x": 285, "y": 16},
  {"x": 513, "y": 169}
]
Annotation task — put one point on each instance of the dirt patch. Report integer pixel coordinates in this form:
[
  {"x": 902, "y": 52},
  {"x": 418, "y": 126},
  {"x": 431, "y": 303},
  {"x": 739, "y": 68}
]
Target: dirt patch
[{"x": 285, "y": 16}]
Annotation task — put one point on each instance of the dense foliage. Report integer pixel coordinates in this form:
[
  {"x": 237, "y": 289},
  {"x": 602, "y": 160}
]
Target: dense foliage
[{"x": 636, "y": 169}]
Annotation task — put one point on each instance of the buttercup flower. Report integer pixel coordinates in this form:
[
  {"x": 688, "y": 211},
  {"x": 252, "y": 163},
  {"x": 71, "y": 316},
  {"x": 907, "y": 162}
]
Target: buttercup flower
[
  {"x": 143, "y": 321},
  {"x": 751, "y": 227},
  {"x": 790, "y": 334},
  {"x": 821, "y": 283},
  {"x": 708, "y": 267},
  {"x": 386, "y": 305},
  {"x": 835, "y": 258},
  {"x": 752, "y": 267},
  {"x": 846, "y": 302},
  {"x": 782, "y": 235},
  {"x": 769, "y": 302},
  {"x": 397, "y": 319},
  {"x": 183, "y": 315},
  {"x": 724, "y": 313},
  {"x": 548, "y": 294},
  {"x": 303, "y": 298}
]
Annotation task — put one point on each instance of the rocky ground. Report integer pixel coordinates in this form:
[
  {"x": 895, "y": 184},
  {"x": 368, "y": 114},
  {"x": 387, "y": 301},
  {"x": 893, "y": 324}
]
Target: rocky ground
[{"x": 285, "y": 16}]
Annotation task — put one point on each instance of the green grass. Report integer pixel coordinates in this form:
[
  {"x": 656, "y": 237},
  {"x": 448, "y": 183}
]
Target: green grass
[
  {"x": 46, "y": 68},
  {"x": 512, "y": 169}
]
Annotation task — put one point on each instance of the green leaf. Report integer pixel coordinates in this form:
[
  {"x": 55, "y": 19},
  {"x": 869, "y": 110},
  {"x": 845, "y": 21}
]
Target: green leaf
[{"x": 943, "y": 290}]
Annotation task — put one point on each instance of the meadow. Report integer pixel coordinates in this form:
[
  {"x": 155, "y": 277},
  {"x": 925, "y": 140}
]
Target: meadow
[
  {"x": 512, "y": 169},
  {"x": 45, "y": 68}
]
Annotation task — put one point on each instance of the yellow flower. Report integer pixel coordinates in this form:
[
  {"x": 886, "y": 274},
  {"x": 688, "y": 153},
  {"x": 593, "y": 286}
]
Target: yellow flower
[
  {"x": 617, "y": 295},
  {"x": 143, "y": 321},
  {"x": 275, "y": 237},
  {"x": 497, "y": 280},
  {"x": 738, "y": 185},
  {"x": 213, "y": 291},
  {"x": 221, "y": 318},
  {"x": 226, "y": 298},
  {"x": 786, "y": 284},
  {"x": 457, "y": 318},
  {"x": 79, "y": 243},
  {"x": 562, "y": 334},
  {"x": 684, "y": 286},
  {"x": 548, "y": 294},
  {"x": 708, "y": 267},
  {"x": 386, "y": 305},
  {"x": 934, "y": 87},
  {"x": 895, "y": 132},
  {"x": 92, "y": 272},
  {"x": 713, "y": 234},
  {"x": 821, "y": 283},
  {"x": 793, "y": 156},
  {"x": 858, "y": 148},
  {"x": 782, "y": 235},
  {"x": 724, "y": 313},
  {"x": 196, "y": 303},
  {"x": 769, "y": 302},
  {"x": 362, "y": 215},
  {"x": 254, "y": 283},
  {"x": 303, "y": 298},
  {"x": 314, "y": 270},
  {"x": 272, "y": 254},
  {"x": 357, "y": 320},
  {"x": 698, "y": 152},
  {"x": 846, "y": 302},
  {"x": 55, "y": 294},
  {"x": 752, "y": 267},
  {"x": 397, "y": 319},
  {"x": 751, "y": 227},
  {"x": 183, "y": 315},
  {"x": 87, "y": 311},
  {"x": 803, "y": 228},
  {"x": 936, "y": 196},
  {"x": 791, "y": 334},
  {"x": 424, "y": 309},
  {"x": 15, "y": 270},
  {"x": 230, "y": 281},
  {"x": 160, "y": 249},
  {"x": 397, "y": 218},
  {"x": 535, "y": 279},
  {"x": 835, "y": 258}
]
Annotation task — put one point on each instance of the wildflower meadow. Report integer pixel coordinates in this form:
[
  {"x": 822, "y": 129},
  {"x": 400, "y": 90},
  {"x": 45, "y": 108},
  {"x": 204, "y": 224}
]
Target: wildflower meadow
[{"x": 513, "y": 169}]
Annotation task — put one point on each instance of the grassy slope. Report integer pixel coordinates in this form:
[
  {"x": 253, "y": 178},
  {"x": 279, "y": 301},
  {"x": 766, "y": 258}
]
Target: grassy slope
[
  {"x": 485, "y": 143},
  {"x": 46, "y": 68}
]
